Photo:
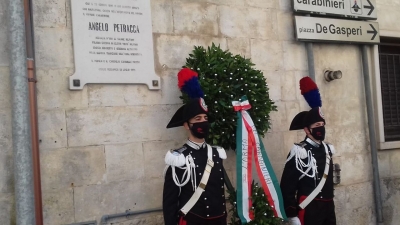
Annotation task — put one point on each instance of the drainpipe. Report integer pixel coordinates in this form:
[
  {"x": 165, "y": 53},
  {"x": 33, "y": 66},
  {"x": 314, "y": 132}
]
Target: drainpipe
[
  {"x": 372, "y": 137},
  {"x": 35, "y": 141},
  {"x": 30, "y": 49},
  {"x": 310, "y": 58},
  {"x": 21, "y": 130}
]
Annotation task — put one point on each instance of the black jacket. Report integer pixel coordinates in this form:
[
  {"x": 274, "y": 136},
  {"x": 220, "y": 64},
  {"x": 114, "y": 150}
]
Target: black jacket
[
  {"x": 293, "y": 188},
  {"x": 211, "y": 205}
]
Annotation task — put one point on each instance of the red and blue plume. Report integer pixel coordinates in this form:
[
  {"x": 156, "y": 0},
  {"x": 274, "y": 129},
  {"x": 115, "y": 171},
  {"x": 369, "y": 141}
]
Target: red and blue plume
[
  {"x": 310, "y": 92},
  {"x": 188, "y": 83}
]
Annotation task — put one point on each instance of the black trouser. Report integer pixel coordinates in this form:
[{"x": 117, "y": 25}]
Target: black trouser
[
  {"x": 220, "y": 221},
  {"x": 319, "y": 212}
]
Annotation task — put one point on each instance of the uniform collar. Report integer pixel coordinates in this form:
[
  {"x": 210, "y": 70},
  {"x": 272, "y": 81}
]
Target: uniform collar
[
  {"x": 311, "y": 142},
  {"x": 195, "y": 145}
]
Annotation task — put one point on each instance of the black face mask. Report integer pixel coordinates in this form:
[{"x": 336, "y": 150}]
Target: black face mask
[
  {"x": 318, "y": 133},
  {"x": 200, "y": 130}
]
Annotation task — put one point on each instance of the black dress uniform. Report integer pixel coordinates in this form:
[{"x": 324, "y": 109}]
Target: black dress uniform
[
  {"x": 210, "y": 208},
  {"x": 307, "y": 179},
  {"x": 186, "y": 166},
  {"x": 321, "y": 210}
]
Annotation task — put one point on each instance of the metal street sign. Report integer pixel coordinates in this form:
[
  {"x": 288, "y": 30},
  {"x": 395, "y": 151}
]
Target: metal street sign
[
  {"x": 361, "y": 9},
  {"x": 336, "y": 30}
]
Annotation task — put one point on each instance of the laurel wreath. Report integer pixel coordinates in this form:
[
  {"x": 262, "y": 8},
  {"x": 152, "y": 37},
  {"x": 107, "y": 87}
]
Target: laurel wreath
[{"x": 224, "y": 78}]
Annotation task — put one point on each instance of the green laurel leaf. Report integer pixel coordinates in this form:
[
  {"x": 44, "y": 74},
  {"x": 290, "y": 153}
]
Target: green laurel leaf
[{"x": 224, "y": 78}]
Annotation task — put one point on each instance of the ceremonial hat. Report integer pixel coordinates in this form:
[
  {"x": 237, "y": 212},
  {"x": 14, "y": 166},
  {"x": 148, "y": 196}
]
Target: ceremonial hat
[
  {"x": 189, "y": 84},
  {"x": 310, "y": 92}
]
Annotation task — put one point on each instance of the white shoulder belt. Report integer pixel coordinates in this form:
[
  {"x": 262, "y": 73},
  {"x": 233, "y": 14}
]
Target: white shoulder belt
[
  {"x": 321, "y": 184},
  {"x": 202, "y": 186}
]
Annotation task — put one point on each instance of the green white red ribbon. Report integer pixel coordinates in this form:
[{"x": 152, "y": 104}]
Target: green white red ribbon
[{"x": 248, "y": 146}]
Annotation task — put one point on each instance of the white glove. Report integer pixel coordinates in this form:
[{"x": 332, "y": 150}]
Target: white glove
[{"x": 294, "y": 221}]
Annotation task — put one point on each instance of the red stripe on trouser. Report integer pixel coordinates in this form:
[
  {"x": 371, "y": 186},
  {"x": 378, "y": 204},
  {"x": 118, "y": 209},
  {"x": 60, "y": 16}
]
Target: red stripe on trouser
[
  {"x": 303, "y": 211},
  {"x": 182, "y": 221}
]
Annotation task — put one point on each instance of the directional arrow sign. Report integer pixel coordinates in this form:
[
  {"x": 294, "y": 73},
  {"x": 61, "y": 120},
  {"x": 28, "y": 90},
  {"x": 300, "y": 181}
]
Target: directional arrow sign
[
  {"x": 371, "y": 8},
  {"x": 360, "y": 9},
  {"x": 336, "y": 30}
]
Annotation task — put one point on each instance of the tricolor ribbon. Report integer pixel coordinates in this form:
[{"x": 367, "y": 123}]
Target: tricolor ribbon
[{"x": 248, "y": 146}]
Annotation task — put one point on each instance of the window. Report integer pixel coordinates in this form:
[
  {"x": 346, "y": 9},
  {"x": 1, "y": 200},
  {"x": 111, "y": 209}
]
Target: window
[
  {"x": 389, "y": 64},
  {"x": 387, "y": 91}
]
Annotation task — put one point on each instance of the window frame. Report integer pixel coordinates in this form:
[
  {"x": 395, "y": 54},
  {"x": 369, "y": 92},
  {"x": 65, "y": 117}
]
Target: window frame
[{"x": 382, "y": 144}]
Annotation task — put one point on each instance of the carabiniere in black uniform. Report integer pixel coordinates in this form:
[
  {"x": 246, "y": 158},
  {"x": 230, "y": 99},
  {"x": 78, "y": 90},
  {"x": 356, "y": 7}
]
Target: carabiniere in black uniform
[
  {"x": 211, "y": 204},
  {"x": 194, "y": 192},
  {"x": 307, "y": 179},
  {"x": 294, "y": 184}
]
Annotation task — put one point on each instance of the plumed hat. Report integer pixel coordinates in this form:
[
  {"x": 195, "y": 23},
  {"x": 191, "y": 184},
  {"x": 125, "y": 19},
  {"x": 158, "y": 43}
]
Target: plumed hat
[
  {"x": 189, "y": 84},
  {"x": 310, "y": 92}
]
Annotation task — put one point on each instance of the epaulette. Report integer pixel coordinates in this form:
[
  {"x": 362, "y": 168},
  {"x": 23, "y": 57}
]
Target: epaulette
[
  {"x": 298, "y": 150},
  {"x": 175, "y": 157},
  {"x": 179, "y": 150},
  {"x": 221, "y": 152},
  {"x": 301, "y": 144},
  {"x": 331, "y": 148}
]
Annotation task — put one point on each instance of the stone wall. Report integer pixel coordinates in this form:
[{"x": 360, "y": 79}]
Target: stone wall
[
  {"x": 389, "y": 167},
  {"x": 102, "y": 148},
  {"x": 7, "y": 205},
  {"x": 389, "y": 170}
]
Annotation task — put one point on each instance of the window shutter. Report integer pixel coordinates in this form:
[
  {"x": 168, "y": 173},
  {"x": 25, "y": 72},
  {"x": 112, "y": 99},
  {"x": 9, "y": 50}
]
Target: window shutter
[{"x": 390, "y": 87}]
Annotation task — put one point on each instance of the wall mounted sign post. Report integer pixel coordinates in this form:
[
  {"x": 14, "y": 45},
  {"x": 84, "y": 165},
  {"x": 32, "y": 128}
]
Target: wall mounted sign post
[
  {"x": 113, "y": 43},
  {"x": 336, "y": 30},
  {"x": 360, "y": 9}
]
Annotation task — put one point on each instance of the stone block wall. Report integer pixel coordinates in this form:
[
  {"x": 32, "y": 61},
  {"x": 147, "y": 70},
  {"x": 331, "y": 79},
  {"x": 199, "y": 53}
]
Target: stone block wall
[
  {"x": 102, "y": 148},
  {"x": 389, "y": 170},
  {"x": 389, "y": 167},
  {"x": 7, "y": 203}
]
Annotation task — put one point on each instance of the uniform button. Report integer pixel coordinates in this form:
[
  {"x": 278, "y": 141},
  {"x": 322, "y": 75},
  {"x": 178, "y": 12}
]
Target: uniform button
[
  {"x": 222, "y": 186},
  {"x": 194, "y": 158},
  {"x": 321, "y": 197},
  {"x": 208, "y": 215},
  {"x": 222, "y": 178},
  {"x": 223, "y": 195},
  {"x": 223, "y": 203},
  {"x": 199, "y": 173},
  {"x": 217, "y": 162},
  {"x": 214, "y": 155},
  {"x": 197, "y": 165},
  {"x": 207, "y": 207},
  {"x": 205, "y": 198},
  {"x": 220, "y": 170}
]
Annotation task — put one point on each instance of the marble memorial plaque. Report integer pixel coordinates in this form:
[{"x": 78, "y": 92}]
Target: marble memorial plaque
[{"x": 113, "y": 43}]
